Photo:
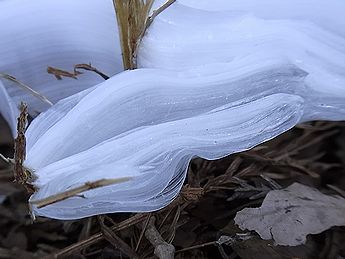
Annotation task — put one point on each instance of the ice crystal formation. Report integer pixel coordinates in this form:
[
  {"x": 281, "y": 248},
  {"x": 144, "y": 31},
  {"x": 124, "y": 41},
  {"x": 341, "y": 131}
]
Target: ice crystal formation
[{"x": 213, "y": 78}]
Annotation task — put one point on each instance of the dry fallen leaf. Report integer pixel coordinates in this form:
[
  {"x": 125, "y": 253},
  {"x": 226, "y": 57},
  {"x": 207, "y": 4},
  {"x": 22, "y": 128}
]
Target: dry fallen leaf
[{"x": 287, "y": 216}]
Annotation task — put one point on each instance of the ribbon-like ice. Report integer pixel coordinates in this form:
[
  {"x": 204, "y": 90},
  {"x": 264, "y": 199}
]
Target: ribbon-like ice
[{"x": 213, "y": 80}]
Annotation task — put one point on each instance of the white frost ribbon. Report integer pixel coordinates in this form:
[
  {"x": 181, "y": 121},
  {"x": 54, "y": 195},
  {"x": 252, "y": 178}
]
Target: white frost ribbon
[{"x": 211, "y": 83}]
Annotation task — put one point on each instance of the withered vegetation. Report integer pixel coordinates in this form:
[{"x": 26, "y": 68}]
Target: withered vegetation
[
  {"x": 77, "y": 191},
  {"x": 25, "y": 87},
  {"x": 22, "y": 175},
  {"x": 133, "y": 19},
  {"x": 60, "y": 73},
  {"x": 199, "y": 222}
]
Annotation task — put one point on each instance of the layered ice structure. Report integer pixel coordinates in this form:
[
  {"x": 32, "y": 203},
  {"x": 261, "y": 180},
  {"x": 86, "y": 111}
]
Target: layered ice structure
[{"x": 214, "y": 78}]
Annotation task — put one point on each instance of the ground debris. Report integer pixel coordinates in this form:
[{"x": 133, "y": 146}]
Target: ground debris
[{"x": 199, "y": 222}]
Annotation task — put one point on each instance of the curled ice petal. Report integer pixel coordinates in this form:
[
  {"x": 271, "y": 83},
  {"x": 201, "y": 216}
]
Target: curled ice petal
[
  {"x": 149, "y": 123},
  {"x": 147, "y": 97},
  {"x": 158, "y": 158}
]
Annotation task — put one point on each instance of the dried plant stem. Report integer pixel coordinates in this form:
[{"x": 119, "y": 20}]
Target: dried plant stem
[
  {"x": 76, "y": 191},
  {"x": 88, "y": 67},
  {"x": 59, "y": 73},
  {"x": 163, "y": 250},
  {"x": 117, "y": 242},
  {"x": 98, "y": 237},
  {"x": 133, "y": 20},
  {"x": 26, "y": 88},
  {"x": 155, "y": 13},
  {"x": 22, "y": 175}
]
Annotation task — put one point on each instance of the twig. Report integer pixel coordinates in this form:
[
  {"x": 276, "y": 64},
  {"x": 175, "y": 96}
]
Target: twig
[
  {"x": 156, "y": 12},
  {"x": 227, "y": 240},
  {"x": 97, "y": 237},
  {"x": 149, "y": 20},
  {"x": 27, "y": 88},
  {"x": 75, "y": 191},
  {"x": 196, "y": 246},
  {"x": 163, "y": 250},
  {"x": 88, "y": 67},
  {"x": 117, "y": 242},
  {"x": 59, "y": 73}
]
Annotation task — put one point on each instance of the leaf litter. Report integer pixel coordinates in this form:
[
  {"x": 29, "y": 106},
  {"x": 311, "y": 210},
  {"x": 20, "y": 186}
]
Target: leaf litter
[{"x": 202, "y": 217}]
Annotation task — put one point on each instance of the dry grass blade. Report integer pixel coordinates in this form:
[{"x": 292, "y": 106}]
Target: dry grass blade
[
  {"x": 133, "y": 20},
  {"x": 76, "y": 191},
  {"x": 26, "y": 88}
]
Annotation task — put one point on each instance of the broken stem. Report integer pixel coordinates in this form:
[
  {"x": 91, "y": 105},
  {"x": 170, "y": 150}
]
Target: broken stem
[
  {"x": 75, "y": 191},
  {"x": 88, "y": 67},
  {"x": 117, "y": 242},
  {"x": 163, "y": 250},
  {"x": 156, "y": 12}
]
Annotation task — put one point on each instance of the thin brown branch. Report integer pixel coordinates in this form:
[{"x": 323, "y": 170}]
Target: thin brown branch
[
  {"x": 88, "y": 67},
  {"x": 98, "y": 237},
  {"x": 196, "y": 247},
  {"x": 117, "y": 242},
  {"x": 123, "y": 225},
  {"x": 26, "y": 88},
  {"x": 78, "y": 190},
  {"x": 156, "y": 12},
  {"x": 59, "y": 73},
  {"x": 163, "y": 250}
]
